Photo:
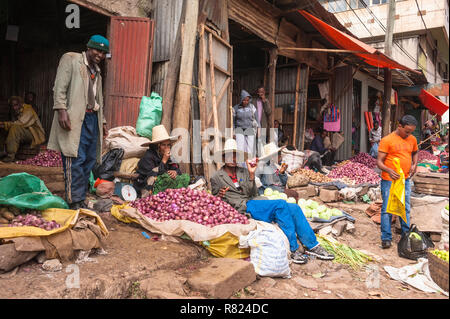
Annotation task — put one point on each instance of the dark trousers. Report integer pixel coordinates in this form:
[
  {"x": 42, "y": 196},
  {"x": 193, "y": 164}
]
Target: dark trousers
[{"x": 78, "y": 169}]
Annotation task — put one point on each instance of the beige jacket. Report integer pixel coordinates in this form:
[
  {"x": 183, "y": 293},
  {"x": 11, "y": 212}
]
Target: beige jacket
[
  {"x": 30, "y": 120},
  {"x": 71, "y": 93}
]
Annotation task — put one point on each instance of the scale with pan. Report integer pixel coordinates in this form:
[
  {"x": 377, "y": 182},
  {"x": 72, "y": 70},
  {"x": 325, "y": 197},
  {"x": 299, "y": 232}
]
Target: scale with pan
[{"x": 125, "y": 191}]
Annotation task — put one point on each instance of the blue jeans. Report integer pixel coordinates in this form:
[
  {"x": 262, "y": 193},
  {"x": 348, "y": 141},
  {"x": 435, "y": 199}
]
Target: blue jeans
[
  {"x": 77, "y": 169},
  {"x": 288, "y": 216},
  {"x": 386, "y": 233}
]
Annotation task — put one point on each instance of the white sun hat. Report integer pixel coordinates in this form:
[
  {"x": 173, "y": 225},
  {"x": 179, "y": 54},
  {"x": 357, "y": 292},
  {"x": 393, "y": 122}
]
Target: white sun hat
[
  {"x": 270, "y": 150},
  {"x": 159, "y": 134}
]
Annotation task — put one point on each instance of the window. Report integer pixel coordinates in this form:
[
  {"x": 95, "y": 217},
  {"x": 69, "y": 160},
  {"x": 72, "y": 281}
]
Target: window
[
  {"x": 337, "y": 6},
  {"x": 363, "y": 3},
  {"x": 354, "y": 4}
]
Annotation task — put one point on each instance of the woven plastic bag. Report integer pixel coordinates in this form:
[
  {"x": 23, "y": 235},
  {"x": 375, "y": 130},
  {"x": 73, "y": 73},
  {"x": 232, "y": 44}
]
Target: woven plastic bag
[
  {"x": 23, "y": 190},
  {"x": 150, "y": 113},
  {"x": 396, "y": 201}
]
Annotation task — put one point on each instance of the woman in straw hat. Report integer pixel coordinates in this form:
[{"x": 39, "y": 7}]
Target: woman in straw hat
[
  {"x": 271, "y": 173},
  {"x": 237, "y": 186},
  {"x": 156, "y": 160}
]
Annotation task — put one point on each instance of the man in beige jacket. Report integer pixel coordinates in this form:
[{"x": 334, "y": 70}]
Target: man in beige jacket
[
  {"x": 78, "y": 125},
  {"x": 26, "y": 128}
]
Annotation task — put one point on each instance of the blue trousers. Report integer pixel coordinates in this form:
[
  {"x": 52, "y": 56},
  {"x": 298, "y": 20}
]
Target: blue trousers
[
  {"x": 386, "y": 233},
  {"x": 78, "y": 169},
  {"x": 288, "y": 216}
]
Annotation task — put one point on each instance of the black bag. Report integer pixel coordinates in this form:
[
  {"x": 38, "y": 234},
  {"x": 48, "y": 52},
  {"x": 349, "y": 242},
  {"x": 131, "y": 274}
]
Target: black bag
[
  {"x": 111, "y": 162},
  {"x": 414, "y": 248}
]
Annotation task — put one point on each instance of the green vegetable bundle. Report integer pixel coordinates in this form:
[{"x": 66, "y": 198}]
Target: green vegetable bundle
[
  {"x": 343, "y": 253},
  {"x": 164, "y": 182}
]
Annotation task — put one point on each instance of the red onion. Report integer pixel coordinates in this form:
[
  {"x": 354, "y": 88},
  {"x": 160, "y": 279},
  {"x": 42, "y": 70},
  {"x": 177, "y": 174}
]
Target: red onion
[
  {"x": 47, "y": 158},
  {"x": 365, "y": 159},
  {"x": 426, "y": 156},
  {"x": 35, "y": 220},
  {"x": 358, "y": 172},
  {"x": 187, "y": 204}
]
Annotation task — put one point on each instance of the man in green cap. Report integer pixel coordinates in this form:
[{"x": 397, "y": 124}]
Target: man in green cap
[{"x": 79, "y": 126}]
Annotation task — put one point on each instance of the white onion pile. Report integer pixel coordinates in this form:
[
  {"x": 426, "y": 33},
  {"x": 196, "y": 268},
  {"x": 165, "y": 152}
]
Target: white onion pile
[
  {"x": 48, "y": 158},
  {"x": 35, "y": 220},
  {"x": 187, "y": 204},
  {"x": 360, "y": 173}
]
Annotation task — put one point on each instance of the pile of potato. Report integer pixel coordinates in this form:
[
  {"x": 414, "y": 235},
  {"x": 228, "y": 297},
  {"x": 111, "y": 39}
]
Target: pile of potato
[
  {"x": 314, "y": 177},
  {"x": 7, "y": 214}
]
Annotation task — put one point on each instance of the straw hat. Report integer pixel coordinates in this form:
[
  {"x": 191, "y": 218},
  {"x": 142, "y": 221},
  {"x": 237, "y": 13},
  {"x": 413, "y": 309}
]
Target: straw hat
[
  {"x": 159, "y": 134},
  {"x": 270, "y": 150},
  {"x": 230, "y": 147}
]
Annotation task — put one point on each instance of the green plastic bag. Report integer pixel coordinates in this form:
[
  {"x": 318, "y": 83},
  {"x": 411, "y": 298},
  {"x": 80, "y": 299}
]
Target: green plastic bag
[
  {"x": 23, "y": 190},
  {"x": 150, "y": 112},
  {"x": 164, "y": 182}
]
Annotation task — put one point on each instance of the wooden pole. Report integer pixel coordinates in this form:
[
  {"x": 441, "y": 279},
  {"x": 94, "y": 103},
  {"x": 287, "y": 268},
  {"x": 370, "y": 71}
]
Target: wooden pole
[
  {"x": 202, "y": 95},
  {"x": 213, "y": 96},
  {"x": 171, "y": 79},
  {"x": 182, "y": 106},
  {"x": 321, "y": 50},
  {"x": 387, "y": 72},
  {"x": 297, "y": 87},
  {"x": 273, "y": 54},
  {"x": 305, "y": 107}
]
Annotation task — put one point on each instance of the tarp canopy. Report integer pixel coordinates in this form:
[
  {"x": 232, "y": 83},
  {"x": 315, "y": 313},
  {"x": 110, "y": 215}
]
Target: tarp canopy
[
  {"x": 344, "y": 41},
  {"x": 432, "y": 103}
]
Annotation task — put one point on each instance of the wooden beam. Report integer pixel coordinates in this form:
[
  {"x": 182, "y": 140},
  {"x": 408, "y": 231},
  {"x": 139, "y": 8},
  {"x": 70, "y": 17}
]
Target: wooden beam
[
  {"x": 297, "y": 88},
  {"x": 213, "y": 95},
  {"x": 219, "y": 98},
  {"x": 182, "y": 106},
  {"x": 322, "y": 50},
  {"x": 273, "y": 55},
  {"x": 305, "y": 108}
]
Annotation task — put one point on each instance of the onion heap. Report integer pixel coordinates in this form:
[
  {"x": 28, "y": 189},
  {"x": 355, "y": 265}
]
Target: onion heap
[
  {"x": 364, "y": 158},
  {"x": 187, "y": 204},
  {"x": 426, "y": 156},
  {"x": 35, "y": 220},
  {"x": 360, "y": 173},
  {"x": 48, "y": 158}
]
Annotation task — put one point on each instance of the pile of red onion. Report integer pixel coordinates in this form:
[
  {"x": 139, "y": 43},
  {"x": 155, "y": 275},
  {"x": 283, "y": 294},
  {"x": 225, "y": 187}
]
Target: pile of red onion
[
  {"x": 35, "y": 220},
  {"x": 48, "y": 158},
  {"x": 360, "y": 173},
  {"x": 364, "y": 158},
  {"x": 427, "y": 156},
  {"x": 187, "y": 204}
]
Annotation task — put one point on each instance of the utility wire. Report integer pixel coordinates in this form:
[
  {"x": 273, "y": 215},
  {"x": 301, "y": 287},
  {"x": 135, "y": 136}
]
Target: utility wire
[{"x": 359, "y": 19}]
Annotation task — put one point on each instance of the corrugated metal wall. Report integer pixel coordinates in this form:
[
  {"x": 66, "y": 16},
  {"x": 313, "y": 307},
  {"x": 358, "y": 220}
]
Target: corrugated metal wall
[
  {"x": 344, "y": 80},
  {"x": 285, "y": 97},
  {"x": 167, "y": 16},
  {"x": 129, "y": 71}
]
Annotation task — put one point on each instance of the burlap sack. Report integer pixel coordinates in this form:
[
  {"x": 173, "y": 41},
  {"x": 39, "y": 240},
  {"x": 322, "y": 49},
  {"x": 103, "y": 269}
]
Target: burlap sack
[{"x": 297, "y": 180}]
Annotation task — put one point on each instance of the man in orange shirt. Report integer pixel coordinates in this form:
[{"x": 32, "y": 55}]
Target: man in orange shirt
[{"x": 403, "y": 145}]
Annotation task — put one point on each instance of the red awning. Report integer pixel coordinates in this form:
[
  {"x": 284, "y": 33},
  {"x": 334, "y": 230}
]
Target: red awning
[
  {"x": 344, "y": 41},
  {"x": 432, "y": 103}
]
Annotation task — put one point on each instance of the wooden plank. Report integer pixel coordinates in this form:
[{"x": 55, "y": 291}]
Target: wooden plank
[
  {"x": 273, "y": 55},
  {"x": 305, "y": 107},
  {"x": 225, "y": 43},
  {"x": 213, "y": 95},
  {"x": 297, "y": 88},
  {"x": 432, "y": 191},
  {"x": 12, "y": 168},
  {"x": 434, "y": 181},
  {"x": 319, "y": 50},
  {"x": 220, "y": 69},
  {"x": 230, "y": 92},
  {"x": 219, "y": 97},
  {"x": 433, "y": 175}
]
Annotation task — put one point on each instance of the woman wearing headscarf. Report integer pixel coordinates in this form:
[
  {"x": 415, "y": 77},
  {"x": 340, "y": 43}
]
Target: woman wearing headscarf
[{"x": 245, "y": 123}]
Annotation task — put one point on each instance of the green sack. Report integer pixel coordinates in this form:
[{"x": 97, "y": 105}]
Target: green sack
[
  {"x": 23, "y": 190},
  {"x": 92, "y": 189},
  {"x": 164, "y": 182},
  {"x": 150, "y": 112}
]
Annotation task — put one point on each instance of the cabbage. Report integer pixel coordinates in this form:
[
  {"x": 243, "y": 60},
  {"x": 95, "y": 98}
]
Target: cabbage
[
  {"x": 322, "y": 209},
  {"x": 307, "y": 213},
  {"x": 283, "y": 196},
  {"x": 336, "y": 212},
  {"x": 291, "y": 200},
  {"x": 315, "y": 213},
  {"x": 273, "y": 197},
  {"x": 276, "y": 193},
  {"x": 314, "y": 205},
  {"x": 325, "y": 215},
  {"x": 268, "y": 191},
  {"x": 301, "y": 202}
]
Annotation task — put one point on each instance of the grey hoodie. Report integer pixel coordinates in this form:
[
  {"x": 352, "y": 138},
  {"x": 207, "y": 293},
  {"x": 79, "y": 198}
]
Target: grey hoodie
[{"x": 244, "y": 117}]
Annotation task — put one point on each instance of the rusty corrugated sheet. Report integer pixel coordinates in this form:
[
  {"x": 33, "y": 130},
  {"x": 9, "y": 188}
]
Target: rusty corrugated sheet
[
  {"x": 129, "y": 71},
  {"x": 344, "y": 100},
  {"x": 167, "y": 16}
]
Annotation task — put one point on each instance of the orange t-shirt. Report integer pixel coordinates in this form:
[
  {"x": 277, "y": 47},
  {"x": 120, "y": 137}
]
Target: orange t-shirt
[{"x": 395, "y": 146}]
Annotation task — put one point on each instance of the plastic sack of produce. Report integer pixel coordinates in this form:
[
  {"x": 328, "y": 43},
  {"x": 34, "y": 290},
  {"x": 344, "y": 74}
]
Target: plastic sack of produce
[
  {"x": 150, "y": 112},
  {"x": 126, "y": 138},
  {"x": 226, "y": 246},
  {"x": 23, "y": 190},
  {"x": 396, "y": 201},
  {"x": 268, "y": 251},
  {"x": 111, "y": 162},
  {"x": 414, "y": 244},
  {"x": 294, "y": 159}
]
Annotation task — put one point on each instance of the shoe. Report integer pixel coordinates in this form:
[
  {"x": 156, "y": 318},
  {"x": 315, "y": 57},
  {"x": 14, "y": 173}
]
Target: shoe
[
  {"x": 298, "y": 258},
  {"x": 77, "y": 205},
  {"x": 320, "y": 253},
  {"x": 385, "y": 244}
]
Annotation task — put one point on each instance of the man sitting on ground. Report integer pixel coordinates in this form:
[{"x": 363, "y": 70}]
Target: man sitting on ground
[
  {"x": 26, "y": 128},
  {"x": 236, "y": 186}
]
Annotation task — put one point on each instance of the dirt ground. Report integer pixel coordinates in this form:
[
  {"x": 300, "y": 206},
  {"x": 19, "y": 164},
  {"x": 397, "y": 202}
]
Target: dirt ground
[{"x": 136, "y": 267}]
